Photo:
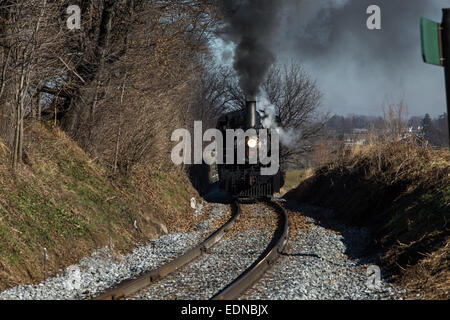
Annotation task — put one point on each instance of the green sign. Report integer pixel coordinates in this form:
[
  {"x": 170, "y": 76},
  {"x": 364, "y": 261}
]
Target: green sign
[{"x": 431, "y": 34}]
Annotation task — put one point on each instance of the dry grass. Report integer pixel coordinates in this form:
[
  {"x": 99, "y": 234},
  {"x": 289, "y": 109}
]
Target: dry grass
[
  {"x": 4, "y": 150},
  {"x": 63, "y": 201},
  {"x": 170, "y": 194},
  {"x": 293, "y": 179},
  {"x": 402, "y": 192}
]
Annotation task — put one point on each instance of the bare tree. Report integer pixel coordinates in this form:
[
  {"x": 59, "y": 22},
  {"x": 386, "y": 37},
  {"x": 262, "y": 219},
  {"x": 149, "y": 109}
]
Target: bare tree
[
  {"x": 25, "y": 40},
  {"x": 296, "y": 99},
  {"x": 212, "y": 95},
  {"x": 160, "y": 45},
  {"x": 119, "y": 86}
]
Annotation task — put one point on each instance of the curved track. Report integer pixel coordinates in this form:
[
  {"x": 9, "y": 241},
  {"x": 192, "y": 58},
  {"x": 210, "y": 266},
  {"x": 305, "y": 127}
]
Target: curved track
[
  {"x": 263, "y": 263},
  {"x": 129, "y": 287},
  {"x": 235, "y": 288}
]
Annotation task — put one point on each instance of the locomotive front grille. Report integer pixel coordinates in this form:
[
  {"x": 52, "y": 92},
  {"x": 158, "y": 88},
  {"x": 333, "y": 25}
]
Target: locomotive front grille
[{"x": 258, "y": 190}]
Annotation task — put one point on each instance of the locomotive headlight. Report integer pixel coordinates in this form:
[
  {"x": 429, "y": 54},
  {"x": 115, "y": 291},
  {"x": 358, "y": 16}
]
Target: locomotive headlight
[{"x": 252, "y": 142}]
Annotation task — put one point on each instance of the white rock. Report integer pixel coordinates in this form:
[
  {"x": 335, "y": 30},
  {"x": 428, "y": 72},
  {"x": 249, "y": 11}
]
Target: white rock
[{"x": 193, "y": 203}]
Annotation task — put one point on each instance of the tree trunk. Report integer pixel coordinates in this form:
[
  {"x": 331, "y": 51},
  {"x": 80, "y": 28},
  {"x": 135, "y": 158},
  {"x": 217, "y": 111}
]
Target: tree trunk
[
  {"x": 116, "y": 156},
  {"x": 16, "y": 139},
  {"x": 20, "y": 150},
  {"x": 39, "y": 106}
]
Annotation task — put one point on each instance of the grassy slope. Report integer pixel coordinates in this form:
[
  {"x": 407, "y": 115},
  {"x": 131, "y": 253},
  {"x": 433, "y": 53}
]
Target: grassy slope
[
  {"x": 63, "y": 201},
  {"x": 402, "y": 193},
  {"x": 293, "y": 179}
]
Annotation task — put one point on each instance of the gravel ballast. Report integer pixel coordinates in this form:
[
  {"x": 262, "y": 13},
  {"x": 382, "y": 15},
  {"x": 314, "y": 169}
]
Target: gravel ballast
[
  {"x": 213, "y": 271},
  {"x": 103, "y": 269},
  {"x": 322, "y": 261}
]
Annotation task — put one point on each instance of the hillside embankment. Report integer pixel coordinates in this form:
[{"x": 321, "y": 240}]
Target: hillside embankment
[
  {"x": 62, "y": 205},
  {"x": 401, "y": 192}
]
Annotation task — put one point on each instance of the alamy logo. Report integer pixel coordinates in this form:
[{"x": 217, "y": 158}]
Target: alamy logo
[
  {"x": 373, "y": 274},
  {"x": 74, "y": 20},
  {"x": 374, "y": 21},
  {"x": 73, "y": 281},
  {"x": 256, "y": 141}
]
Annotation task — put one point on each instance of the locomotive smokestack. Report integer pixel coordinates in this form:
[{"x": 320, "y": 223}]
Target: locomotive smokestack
[{"x": 251, "y": 111}]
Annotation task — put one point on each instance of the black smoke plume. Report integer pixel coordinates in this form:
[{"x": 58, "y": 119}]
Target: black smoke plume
[
  {"x": 356, "y": 68},
  {"x": 251, "y": 26}
]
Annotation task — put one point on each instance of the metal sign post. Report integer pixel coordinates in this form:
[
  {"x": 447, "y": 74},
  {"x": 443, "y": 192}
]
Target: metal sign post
[
  {"x": 436, "y": 49},
  {"x": 446, "y": 53}
]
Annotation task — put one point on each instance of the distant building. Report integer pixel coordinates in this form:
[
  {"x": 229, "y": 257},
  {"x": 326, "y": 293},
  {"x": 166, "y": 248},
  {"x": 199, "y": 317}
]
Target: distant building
[
  {"x": 355, "y": 142},
  {"x": 360, "y": 131}
]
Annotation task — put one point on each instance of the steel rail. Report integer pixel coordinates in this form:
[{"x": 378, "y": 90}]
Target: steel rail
[
  {"x": 129, "y": 287},
  {"x": 263, "y": 263}
]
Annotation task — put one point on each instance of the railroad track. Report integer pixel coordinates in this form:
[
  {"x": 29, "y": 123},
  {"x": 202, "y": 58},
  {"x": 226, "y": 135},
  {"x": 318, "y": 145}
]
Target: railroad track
[
  {"x": 129, "y": 287},
  {"x": 264, "y": 261}
]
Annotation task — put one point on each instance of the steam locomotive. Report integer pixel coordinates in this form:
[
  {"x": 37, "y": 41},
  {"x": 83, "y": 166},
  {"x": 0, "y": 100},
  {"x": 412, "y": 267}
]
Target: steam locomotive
[{"x": 245, "y": 181}]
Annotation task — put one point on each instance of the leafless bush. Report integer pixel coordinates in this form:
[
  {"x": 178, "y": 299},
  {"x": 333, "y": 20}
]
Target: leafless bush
[
  {"x": 30, "y": 42},
  {"x": 119, "y": 86},
  {"x": 396, "y": 119}
]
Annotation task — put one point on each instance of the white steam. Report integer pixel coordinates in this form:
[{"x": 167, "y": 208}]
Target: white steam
[{"x": 288, "y": 136}]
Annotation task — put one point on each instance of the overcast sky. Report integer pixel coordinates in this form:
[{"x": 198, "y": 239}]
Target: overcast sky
[{"x": 356, "y": 68}]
